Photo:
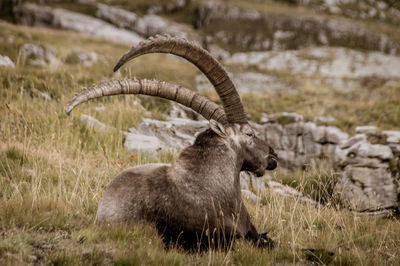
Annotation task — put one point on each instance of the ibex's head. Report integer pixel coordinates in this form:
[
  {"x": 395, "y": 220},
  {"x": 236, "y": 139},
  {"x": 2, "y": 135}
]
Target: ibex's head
[
  {"x": 229, "y": 123},
  {"x": 257, "y": 156}
]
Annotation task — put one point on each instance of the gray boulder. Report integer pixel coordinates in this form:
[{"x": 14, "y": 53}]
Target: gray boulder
[
  {"x": 39, "y": 56},
  {"x": 392, "y": 136},
  {"x": 85, "y": 58},
  {"x": 5, "y": 61},
  {"x": 393, "y": 140},
  {"x": 353, "y": 140},
  {"x": 247, "y": 194},
  {"x": 177, "y": 133},
  {"x": 365, "y": 189},
  {"x": 92, "y": 122},
  {"x": 43, "y": 16},
  {"x": 335, "y": 136},
  {"x": 365, "y": 181},
  {"x": 148, "y": 145}
]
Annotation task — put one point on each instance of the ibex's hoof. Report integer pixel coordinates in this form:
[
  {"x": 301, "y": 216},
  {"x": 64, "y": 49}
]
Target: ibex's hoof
[{"x": 265, "y": 242}]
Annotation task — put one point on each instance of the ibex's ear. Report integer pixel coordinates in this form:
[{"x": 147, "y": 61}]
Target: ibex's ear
[{"x": 218, "y": 128}]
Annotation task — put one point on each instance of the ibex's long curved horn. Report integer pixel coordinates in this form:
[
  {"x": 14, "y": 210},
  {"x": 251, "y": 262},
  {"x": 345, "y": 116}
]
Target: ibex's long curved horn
[
  {"x": 188, "y": 98},
  {"x": 203, "y": 60}
]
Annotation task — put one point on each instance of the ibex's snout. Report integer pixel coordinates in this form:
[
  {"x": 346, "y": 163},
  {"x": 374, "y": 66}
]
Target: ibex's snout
[{"x": 272, "y": 160}]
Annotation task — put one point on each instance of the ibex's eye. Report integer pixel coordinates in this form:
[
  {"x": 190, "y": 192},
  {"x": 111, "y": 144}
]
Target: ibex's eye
[{"x": 250, "y": 134}]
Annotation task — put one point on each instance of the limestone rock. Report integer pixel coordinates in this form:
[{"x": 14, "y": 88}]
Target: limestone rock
[
  {"x": 39, "y": 56},
  {"x": 341, "y": 160},
  {"x": 92, "y": 122},
  {"x": 335, "y": 135},
  {"x": 288, "y": 32},
  {"x": 366, "y": 189},
  {"x": 145, "y": 26},
  {"x": 395, "y": 149},
  {"x": 43, "y": 16},
  {"x": 149, "y": 145},
  {"x": 379, "y": 151},
  {"x": 85, "y": 58},
  {"x": 177, "y": 133},
  {"x": 117, "y": 16},
  {"x": 290, "y": 160},
  {"x": 366, "y": 130},
  {"x": 392, "y": 136},
  {"x": 363, "y": 153},
  {"x": 313, "y": 133},
  {"x": 181, "y": 111},
  {"x": 247, "y": 194},
  {"x": 313, "y": 136},
  {"x": 272, "y": 134},
  {"x": 5, "y": 61},
  {"x": 219, "y": 53},
  {"x": 353, "y": 140},
  {"x": 321, "y": 61},
  {"x": 289, "y": 141}
]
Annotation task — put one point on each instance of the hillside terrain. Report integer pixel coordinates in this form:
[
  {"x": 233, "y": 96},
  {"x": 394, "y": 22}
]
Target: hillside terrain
[{"x": 54, "y": 168}]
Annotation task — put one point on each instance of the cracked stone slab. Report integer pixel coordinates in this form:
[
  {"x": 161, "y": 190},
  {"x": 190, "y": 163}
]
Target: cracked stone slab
[{"x": 365, "y": 189}]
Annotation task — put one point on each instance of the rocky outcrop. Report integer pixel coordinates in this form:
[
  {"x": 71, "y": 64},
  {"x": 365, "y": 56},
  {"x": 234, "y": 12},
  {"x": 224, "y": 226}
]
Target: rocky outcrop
[
  {"x": 368, "y": 174},
  {"x": 322, "y": 62},
  {"x": 254, "y": 30},
  {"x": 93, "y": 123},
  {"x": 145, "y": 26},
  {"x": 366, "y": 182},
  {"x": 145, "y": 144},
  {"x": 5, "y": 61},
  {"x": 176, "y": 133},
  {"x": 42, "y": 16},
  {"x": 39, "y": 56},
  {"x": 299, "y": 143},
  {"x": 388, "y": 11}
]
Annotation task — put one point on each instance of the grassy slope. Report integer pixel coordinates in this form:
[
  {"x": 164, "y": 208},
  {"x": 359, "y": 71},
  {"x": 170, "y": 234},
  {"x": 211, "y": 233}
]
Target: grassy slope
[{"x": 53, "y": 172}]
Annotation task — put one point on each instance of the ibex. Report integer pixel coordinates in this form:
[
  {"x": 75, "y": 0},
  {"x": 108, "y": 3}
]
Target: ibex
[{"x": 195, "y": 202}]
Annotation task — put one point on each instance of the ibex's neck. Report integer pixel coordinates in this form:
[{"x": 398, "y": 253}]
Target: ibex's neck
[{"x": 211, "y": 161}]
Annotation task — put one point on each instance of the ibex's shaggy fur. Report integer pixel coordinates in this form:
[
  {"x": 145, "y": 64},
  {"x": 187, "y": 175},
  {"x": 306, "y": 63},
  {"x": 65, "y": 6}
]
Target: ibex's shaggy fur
[{"x": 196, "y": 201}]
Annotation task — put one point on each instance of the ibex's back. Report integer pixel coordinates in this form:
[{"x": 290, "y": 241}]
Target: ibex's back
[
  {"x": 196, "y": 199},
  {"x": 125, "y": 197}
]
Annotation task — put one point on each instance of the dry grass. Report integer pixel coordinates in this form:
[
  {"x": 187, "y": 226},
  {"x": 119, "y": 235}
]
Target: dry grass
[{"x": 53, "y": 171}]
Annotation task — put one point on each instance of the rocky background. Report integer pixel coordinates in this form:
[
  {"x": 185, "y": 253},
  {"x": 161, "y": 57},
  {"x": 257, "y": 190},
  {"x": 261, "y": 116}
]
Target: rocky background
[{"x": 269, "y": 48}]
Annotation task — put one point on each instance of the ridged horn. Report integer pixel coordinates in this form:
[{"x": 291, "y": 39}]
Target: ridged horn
[
  {"x": 201, "y": 58},
  {"x": 202, "y": 105}
]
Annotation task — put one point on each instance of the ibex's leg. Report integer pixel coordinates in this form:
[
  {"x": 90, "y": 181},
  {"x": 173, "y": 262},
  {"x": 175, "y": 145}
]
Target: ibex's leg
[{"x": 260, "y": 240}]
